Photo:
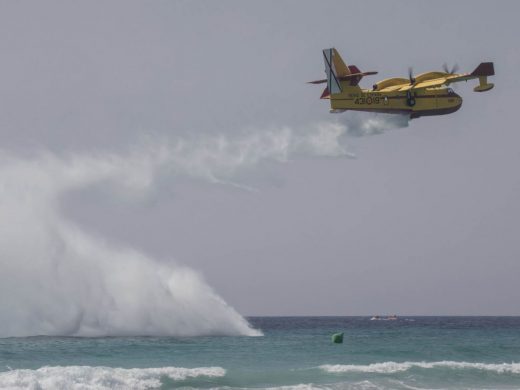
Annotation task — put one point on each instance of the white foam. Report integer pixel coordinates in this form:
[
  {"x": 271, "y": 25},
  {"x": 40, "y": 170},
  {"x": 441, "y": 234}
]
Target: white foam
[
  {"x": 392, "y": 367},
  {"x": 363, "y": 385},
  {"x": 100, "y": 378},
  {"x": 300, "y": 386}
]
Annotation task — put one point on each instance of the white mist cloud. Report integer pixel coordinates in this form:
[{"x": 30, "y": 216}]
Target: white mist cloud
[
  {"x": 58, "y": 280},
  {"x": 363, "y": 124}
]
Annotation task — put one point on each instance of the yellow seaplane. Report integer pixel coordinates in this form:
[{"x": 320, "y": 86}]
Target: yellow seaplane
[{"x": 425, "y": 94}]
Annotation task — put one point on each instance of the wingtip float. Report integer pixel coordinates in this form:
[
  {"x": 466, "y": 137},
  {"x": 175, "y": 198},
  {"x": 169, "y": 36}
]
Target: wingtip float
[{"x": 423, "y": 95}]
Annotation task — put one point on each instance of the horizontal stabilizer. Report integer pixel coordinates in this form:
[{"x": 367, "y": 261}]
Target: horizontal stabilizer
[
  {"x": 352, "y": 76},
  {"x": 317, "y": 81}
]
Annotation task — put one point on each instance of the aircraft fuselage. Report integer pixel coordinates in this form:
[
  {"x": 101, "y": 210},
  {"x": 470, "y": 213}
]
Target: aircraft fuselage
[{"x": 416, "y": 103}]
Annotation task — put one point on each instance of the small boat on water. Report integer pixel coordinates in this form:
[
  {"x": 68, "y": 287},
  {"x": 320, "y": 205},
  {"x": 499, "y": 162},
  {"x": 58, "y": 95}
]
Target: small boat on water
[{"x": 393, "y": 317}]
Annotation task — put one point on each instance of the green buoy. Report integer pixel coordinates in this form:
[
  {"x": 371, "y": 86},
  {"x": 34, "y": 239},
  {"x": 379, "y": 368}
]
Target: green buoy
[{"x": 337, "y": 338}]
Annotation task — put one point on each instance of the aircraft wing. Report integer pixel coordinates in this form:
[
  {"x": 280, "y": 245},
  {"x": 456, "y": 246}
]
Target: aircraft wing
[
  {"x": 396, "y": 87},
  {"x": 444, "y": 81},
  {"x": 481, "y": 72},
  {"x": 437, "y": 82}
]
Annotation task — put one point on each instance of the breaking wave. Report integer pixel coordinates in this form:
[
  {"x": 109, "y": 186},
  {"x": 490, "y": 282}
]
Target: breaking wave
[
  {"x": 101, "y": 378},
  {"x": 363, "y": 385},
  {"x": 392, "y": 367}
]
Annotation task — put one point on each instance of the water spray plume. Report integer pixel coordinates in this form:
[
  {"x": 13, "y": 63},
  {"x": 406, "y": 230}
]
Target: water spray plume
[{"x": 58, "y": 280}]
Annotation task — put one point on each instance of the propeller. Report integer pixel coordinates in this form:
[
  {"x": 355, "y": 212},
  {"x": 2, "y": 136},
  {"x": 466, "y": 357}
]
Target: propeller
[
  {"x": 453, "y": 69},
  {"x": 410, "y": 76}
]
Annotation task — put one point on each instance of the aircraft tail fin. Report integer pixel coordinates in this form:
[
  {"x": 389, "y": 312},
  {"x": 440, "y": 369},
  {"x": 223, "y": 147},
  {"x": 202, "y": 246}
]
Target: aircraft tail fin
[
  {"x": 337, "y": 71},
  {"x": 335, "y": 68}
]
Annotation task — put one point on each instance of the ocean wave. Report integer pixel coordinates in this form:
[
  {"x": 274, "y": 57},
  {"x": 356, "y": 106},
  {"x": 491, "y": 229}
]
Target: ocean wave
[
  {"x": 392, "y": 367},
  {"x": 301, "y": 386},
  {"x": 100, "y": 378},
  {"x": 363, "y": 385}
]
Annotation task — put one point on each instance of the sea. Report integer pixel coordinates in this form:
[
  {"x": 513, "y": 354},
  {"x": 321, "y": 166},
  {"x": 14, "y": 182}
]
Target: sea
[{"x": 293, "y": 353}]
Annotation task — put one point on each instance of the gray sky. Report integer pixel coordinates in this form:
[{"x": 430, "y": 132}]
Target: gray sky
[{"x": 424, "y": 221}]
